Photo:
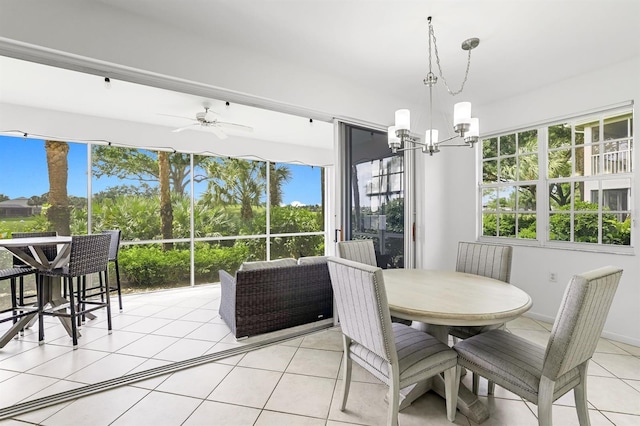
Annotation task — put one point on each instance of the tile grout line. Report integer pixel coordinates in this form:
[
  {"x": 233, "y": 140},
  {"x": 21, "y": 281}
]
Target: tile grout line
[{"x": 43, "y": 402}]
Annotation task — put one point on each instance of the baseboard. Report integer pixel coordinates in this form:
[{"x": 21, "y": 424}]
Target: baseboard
[{"x": 606, "y": 334}]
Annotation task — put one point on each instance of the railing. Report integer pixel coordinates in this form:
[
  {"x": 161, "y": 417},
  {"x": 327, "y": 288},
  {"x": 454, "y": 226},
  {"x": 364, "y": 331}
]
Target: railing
[{"x": 613, "y": 162}]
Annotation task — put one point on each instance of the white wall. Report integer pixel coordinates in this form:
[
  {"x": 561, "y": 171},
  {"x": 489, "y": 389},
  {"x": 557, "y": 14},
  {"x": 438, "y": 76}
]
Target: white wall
[{"x": 531, "y": 266}]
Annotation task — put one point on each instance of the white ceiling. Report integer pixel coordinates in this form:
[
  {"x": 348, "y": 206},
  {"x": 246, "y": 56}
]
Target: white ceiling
[
  {"x": 35, "y": 85},
  {"x": 524, "y": 44},
  {"x": 380, "y": 44}
]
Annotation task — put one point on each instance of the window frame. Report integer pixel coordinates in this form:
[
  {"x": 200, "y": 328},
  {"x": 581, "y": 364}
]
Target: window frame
[{"x": 543, "y": 212}]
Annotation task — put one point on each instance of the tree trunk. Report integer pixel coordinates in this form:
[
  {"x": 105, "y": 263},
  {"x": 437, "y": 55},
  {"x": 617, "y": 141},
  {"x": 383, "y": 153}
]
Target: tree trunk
[
  {"x": 59, "y": 213},
  {"x": 275, "y": 190},
  {"x": 166, "y": 210},
  {"x": 246, "y": 211}
]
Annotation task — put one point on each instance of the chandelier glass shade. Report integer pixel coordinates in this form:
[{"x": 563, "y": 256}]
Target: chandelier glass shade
[{"x": 466, "y": 127}]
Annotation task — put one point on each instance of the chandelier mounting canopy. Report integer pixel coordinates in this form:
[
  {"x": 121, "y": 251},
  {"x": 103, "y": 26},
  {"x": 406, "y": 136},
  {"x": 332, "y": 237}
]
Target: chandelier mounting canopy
[{"x": 470, "y": 43}]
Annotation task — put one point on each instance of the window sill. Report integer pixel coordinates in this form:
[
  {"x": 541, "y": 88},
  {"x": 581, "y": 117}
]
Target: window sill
[{"x": 558, "y": 245}]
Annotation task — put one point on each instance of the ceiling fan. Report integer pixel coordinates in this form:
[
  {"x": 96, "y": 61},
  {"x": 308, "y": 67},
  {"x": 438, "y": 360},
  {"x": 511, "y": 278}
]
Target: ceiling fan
[{"x": 210, "y": 120}]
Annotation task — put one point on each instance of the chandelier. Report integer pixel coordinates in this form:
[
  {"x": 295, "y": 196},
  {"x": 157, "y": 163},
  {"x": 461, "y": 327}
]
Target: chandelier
[{"x": 465, "y": 127}]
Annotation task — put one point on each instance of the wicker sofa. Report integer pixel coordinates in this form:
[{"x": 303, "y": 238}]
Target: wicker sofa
[{"x": 269, "y": 296}]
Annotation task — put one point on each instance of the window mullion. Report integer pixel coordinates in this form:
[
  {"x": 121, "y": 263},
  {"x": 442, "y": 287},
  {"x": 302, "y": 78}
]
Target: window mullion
[{"x": 542, "y": 197}]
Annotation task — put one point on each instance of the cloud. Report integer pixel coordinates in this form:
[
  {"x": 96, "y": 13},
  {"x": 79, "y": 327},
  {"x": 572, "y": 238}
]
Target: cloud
[{"x": 297, "y": 204}]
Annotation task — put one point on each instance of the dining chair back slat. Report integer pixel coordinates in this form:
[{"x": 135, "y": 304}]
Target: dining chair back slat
[
  {"x": 488, "y": 260},
  {"x": 361, "y": 251}
]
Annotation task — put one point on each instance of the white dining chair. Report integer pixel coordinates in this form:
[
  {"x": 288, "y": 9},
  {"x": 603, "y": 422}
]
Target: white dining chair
[
  {"x": 487, "y": 260},
  {"x": 542, "y": 375},
  {"x": 395, "y": 353},
  {"x": 361, "y": 251}
]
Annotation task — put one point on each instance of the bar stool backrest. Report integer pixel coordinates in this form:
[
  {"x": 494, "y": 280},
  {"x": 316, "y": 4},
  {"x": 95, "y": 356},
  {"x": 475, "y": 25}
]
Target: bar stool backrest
[
  {"x": 114, "y": 246},
  {"x": 89, "y": 254}
]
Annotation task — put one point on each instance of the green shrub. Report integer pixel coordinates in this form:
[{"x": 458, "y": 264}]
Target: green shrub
[
  {"x": 209, "y": 259},
  {"x": 150, "y": 266}
]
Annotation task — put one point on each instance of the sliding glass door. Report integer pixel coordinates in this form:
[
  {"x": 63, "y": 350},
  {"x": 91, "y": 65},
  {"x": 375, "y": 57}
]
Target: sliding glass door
[{"x": 374, "y": 194}]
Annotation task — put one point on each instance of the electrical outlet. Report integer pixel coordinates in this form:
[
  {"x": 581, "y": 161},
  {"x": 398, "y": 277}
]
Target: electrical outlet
[{"x": 553, "y": 277}]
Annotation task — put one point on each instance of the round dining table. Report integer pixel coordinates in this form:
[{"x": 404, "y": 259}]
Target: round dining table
[{"x": 437, "y": 299}]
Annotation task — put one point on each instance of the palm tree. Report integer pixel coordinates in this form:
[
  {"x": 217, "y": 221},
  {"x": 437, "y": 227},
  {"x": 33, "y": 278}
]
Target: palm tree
[
  {"x": 166, "y": 210},
  {"x": 278, "y": 175},
  {"x": 142, "y": 165},
  {"x": 58, "y": 214},
  {"x": 236, "y": 182}
]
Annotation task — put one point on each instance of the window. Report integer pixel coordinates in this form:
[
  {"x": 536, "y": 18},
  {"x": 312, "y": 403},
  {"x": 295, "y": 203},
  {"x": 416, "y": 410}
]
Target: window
[
  {"x": 567, "y": 182},
  {"x": 509, "y": 185},
  {"x": 235, "y": 209}
]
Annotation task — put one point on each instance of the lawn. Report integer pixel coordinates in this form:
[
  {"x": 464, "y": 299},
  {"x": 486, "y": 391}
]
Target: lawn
[{"x": 16, "y": 224}]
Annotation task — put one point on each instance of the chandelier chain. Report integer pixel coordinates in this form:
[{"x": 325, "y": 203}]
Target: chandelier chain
[{"x": 435, "y": 48}]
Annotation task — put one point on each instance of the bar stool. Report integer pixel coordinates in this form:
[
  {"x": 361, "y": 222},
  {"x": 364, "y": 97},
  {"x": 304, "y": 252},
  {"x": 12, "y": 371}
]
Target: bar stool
[
  {"x": 89, "y": 255},
  {"x": 17, "y": 311},
  {"x": 114, "y": 248}
]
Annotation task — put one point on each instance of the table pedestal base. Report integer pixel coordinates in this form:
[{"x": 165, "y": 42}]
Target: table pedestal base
[
  {"x": 15, "y": 329},
  {"x": 468, "y": 402}
]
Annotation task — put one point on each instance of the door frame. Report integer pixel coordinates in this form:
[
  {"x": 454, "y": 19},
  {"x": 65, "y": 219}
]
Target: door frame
[{"x": 340, "y": 224}]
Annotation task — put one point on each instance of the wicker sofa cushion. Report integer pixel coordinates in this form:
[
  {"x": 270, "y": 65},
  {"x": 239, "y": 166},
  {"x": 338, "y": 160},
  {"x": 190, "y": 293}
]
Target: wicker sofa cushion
[
  {"x": 312, "y": 260},
  {"x": 266, "y": 264}
]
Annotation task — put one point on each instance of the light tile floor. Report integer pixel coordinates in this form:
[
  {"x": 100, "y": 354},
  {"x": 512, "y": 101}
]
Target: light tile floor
[{"x": 296, "y": 382}]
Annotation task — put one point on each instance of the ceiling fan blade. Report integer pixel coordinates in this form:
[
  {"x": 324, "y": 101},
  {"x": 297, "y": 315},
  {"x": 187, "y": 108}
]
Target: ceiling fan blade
[
  {"x": 176, "y": 116},
  {"x": 235, "y": 126},
  {"x": 218, "y": 132},
  {"x": 179, "y": 129}
]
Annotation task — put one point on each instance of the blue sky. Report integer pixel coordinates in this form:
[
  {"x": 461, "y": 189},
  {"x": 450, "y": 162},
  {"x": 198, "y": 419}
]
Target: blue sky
[{"x": 23, "y": 173}]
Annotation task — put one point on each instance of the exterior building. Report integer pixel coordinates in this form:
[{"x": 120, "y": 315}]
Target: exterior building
[{"x": 18, "y": 207}]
